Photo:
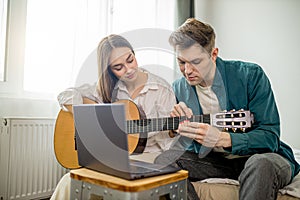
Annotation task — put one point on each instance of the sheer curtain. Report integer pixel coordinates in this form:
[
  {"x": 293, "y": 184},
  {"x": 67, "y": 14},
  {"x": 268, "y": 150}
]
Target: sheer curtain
[
  {"x": 184, "y": 9},
  {"x": 148, "y": 28},
  {"x": 62, "y": 35},
  {"x": 59, "y": 36}
]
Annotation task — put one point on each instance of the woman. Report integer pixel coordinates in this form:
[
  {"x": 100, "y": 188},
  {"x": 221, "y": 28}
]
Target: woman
[{"x": 121, "y": 78}]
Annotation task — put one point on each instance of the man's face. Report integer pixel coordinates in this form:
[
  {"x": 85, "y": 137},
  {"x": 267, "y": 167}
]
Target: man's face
[{"x": 197, "y": 65}]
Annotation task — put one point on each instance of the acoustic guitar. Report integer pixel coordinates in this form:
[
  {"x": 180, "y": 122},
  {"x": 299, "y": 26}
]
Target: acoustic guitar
[{"x": 137, "y": 129}]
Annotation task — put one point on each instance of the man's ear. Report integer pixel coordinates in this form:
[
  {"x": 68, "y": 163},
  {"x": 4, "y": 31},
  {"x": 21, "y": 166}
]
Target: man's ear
[{"x": 214, "y": 54}]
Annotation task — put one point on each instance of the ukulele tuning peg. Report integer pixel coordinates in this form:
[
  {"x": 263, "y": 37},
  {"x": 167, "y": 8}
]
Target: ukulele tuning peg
[
  {"x": 234, "y": 129},
  {"x": 232, "y": 110},
  {"x": 225, "y": 129},
  {"x": 243, "y": 129},
  {"x": 224, "y": 111},
  {"x": 241, "y": 110}
]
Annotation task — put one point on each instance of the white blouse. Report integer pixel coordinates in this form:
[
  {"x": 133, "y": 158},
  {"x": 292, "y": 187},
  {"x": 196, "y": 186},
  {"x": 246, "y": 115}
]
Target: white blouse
[{"x": 156, "y": 99}]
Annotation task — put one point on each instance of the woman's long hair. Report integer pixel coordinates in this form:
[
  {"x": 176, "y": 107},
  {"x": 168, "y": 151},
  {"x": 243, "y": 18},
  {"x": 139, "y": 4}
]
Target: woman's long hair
[{"x": 107, "y": 80}]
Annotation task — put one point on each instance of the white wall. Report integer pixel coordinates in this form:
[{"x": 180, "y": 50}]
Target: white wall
[{"x": 266, "y": 32}]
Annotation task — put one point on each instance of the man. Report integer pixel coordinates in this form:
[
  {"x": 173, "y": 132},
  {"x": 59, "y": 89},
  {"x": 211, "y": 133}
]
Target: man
[{"x": 257, "y": 158}]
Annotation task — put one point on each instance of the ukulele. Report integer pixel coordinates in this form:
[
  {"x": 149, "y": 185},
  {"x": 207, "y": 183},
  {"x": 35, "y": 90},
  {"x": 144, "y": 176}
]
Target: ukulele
[{"x": 137, "y": 129}]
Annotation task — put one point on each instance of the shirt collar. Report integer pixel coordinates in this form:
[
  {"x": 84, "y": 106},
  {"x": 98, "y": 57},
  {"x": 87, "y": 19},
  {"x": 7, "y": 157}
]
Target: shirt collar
[
  {"x": 151, "y": 84},
  {"x": 219, "y": 84}
]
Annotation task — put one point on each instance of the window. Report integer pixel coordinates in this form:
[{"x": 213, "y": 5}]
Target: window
[
  {"x": 61, "y": 35},
  {"x": 3, "y": 24}
]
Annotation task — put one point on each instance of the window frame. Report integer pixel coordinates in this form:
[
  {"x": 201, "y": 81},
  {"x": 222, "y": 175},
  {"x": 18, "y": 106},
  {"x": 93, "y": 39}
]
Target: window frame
[
  {"x": 15, "y": 47},
  {"x": 3, "y": 30}
]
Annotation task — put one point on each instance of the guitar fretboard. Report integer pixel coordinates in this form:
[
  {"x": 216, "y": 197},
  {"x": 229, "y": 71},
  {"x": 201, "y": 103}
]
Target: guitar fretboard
[{"x": 162, "y": 124}]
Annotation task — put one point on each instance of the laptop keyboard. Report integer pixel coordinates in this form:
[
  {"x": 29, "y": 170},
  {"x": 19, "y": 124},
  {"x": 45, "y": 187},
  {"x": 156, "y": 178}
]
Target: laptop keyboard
[
  {"x": 142, "y": 170},
  {"x": 143, "y": 167}
]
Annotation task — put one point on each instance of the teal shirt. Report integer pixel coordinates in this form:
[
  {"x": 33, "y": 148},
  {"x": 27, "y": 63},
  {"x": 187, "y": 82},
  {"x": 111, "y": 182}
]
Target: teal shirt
[{"x": 243, "y": 85}]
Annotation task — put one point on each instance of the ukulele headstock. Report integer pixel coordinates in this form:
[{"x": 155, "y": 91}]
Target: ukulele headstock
[{"x": 235, "y": 120}]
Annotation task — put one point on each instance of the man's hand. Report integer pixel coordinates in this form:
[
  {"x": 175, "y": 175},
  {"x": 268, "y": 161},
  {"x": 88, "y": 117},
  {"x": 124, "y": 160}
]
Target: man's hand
[
  {"x": 201, "y": 132},
  {"x": 181, "y": 110}
]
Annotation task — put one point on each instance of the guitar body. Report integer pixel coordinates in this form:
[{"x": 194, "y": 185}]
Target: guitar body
[
  {"x": 136, "y": 142},
  {"x": 64, "y": 140},
  {"x": 64, "y": 136}
]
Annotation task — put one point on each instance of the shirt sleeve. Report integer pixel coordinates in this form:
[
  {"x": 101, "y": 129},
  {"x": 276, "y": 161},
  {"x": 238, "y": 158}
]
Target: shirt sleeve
[
  {"x": 164, "y": 107},
  {"x": 265, "y": 131},
  {"x": 74, "y": 95}
]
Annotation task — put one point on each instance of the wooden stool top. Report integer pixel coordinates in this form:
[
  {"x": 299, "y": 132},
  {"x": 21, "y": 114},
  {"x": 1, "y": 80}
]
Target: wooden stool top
[{"x": 112, "y": 182}]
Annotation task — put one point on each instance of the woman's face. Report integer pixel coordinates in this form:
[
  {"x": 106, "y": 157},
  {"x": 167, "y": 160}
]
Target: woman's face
[{"x": 123, "y": 64}]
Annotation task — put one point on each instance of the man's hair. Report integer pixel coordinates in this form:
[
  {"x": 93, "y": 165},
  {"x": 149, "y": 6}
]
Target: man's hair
[{"x": 193, "y": 31}]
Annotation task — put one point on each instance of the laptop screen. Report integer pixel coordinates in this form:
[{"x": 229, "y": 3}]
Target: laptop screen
[{"x": 100, "y": 135}]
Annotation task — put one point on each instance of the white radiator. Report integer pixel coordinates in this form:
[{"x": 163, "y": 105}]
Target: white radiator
[{"x": 28, "y": 165}]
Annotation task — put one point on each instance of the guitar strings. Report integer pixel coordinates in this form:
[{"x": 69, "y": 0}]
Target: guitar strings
[{"x": 162, "y": 124}]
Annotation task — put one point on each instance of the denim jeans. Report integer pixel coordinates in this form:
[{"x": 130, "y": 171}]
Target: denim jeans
[{"x": 260, "y": 175}]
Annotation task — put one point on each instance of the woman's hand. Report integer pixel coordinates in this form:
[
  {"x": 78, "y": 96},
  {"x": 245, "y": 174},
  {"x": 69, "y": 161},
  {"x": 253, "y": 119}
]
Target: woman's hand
[{"x": 85, "y": 101}]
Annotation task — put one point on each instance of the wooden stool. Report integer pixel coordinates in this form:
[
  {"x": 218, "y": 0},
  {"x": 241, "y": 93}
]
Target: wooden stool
[{"x": 88, "y": 184}]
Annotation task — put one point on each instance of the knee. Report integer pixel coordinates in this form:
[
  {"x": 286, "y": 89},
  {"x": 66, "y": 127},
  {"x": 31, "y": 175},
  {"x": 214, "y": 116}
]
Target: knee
[
  {"x": 260, "y": 162},
  {"x": 259, "y": 165},
  {"x": 269, "y": 171}
]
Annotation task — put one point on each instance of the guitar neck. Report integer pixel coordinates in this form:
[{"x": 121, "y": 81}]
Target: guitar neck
[{"x": 162, "y": 124}]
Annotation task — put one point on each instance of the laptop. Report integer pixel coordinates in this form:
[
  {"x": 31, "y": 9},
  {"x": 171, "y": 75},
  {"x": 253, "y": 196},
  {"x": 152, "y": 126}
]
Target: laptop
[{"x": 102, "y": 143}]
